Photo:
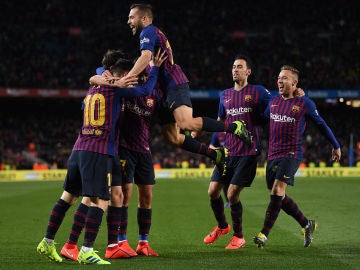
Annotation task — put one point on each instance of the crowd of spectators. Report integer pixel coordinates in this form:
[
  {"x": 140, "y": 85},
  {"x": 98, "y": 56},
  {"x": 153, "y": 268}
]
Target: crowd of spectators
[{"x": 59, "y": 44}]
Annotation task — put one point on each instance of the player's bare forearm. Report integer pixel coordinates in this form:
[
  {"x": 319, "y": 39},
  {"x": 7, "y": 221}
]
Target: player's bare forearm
[
  {"x": 124, "y": 82},
  {"x": 98, "y": 80},
  {"x": 141, "y": 63}
]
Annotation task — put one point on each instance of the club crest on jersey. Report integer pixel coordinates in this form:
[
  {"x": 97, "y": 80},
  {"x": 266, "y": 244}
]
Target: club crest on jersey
[
  {"x": 295, "y": 109},
  {"x": 248, "y": 98},
  {"x": 150, "y": 102}
]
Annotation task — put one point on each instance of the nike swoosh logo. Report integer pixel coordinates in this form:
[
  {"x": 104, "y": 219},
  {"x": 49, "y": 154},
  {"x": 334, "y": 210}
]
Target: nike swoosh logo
[
  {"x": 70, "y": 255},
  {"x": 274, "y": 105},
  {"x": 285, "y": 176}
]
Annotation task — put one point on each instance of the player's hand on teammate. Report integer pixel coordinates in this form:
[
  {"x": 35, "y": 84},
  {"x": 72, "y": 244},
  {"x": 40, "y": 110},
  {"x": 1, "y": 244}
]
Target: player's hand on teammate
[
  {"x": 158, "y": 58},
  {"x": 109, "y": 78},
  {"x": 121, "y": 82},
  {"x": 336, "y": 154},
  {"x": 106, "y": 73},
  {"x": 128, "y": 81},
  {"x": 299, "y": 92}
]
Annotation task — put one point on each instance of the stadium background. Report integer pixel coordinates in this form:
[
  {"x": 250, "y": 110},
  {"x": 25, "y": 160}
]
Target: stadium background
[{"x": 49, "y": 49}]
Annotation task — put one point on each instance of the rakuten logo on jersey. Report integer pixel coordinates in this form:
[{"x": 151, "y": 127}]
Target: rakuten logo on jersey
[
  {"x": 281, "y": 118},
  {"x": 237, "y": 111},
  {"x": 134, "y": 108},
  {"x": 144, "y": 40}
]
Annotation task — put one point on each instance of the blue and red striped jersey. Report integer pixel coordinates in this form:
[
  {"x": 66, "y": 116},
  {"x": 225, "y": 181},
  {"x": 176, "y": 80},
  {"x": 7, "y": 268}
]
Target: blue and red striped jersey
[
  {"x": 170, "y": 73},
  {"x": 101, "y": 108},
  {"x": 247, "y": 104},
  {"x": 137, "y": 116},
  {"x": 288, "y": 119}
]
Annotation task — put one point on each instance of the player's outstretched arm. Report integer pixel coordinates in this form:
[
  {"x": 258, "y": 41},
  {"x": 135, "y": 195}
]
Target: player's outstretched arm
[
  {"x": 124, "y": 82},
  {"x": 141, "y": 62},
  {"x": 149, "y": 85}
]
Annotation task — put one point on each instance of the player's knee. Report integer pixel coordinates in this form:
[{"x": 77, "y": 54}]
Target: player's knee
[
  {"x": 213, "y": 194},
  {"x": 117, "y": 197},
  {"x": 233, "y": 199},
  {"x": 103, "y": 204},
  {"x": 73, "y": 201},
  {"x": 126, "y": 200},
  {"x": 86, "y": 201},
  {"x": 69, "y": 198},
  {"x": 145, "y": 203}
]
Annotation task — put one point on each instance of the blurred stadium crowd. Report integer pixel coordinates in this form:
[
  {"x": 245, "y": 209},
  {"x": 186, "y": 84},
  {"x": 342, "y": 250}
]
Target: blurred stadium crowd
[{"x": 59, "y": 44}]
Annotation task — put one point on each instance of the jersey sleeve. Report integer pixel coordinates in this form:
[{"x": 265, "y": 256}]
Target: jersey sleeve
[
  {"x": 148, "y": 38},
  {"x": 100, "y": 70},
  {"x": 221, "y": 110},
  {"x": 264, "y": 99},
  {"x": 313, "y": 115}
]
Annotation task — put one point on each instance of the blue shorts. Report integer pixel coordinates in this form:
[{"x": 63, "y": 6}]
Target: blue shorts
[
  {"x": 176, "y": 97},
  {"x": 90, "y": 174},
  {"x": 240, "y": 171},
  {"x": 283, "y": 169},
  {"x": 137, "y": 167}
]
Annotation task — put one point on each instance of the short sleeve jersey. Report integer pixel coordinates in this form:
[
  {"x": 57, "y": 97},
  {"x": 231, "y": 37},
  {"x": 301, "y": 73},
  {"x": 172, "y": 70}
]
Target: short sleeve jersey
[
  {"x": 137, "y": 116},
  {"x": 170, "y": 74},
  {"x": 247, "y": 104},
  {"x": 288, "y": 119},
  {"x": 101, "y": 108}
]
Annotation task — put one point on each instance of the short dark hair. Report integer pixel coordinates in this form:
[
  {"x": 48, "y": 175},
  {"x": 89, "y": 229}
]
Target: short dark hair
[
  {"x": 145, "y": 8},
  {"x": 246, "y": 59},
  {"x": 111, "y": 56},
  {"x": 122, "y": 64}
]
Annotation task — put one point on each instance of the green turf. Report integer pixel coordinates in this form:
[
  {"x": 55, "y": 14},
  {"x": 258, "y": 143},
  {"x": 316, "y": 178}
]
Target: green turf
[{"x": 181, "y": 219}]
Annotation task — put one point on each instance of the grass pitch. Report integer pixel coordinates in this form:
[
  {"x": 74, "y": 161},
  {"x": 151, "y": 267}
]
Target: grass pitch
[{"x": 182, "y": 217}]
